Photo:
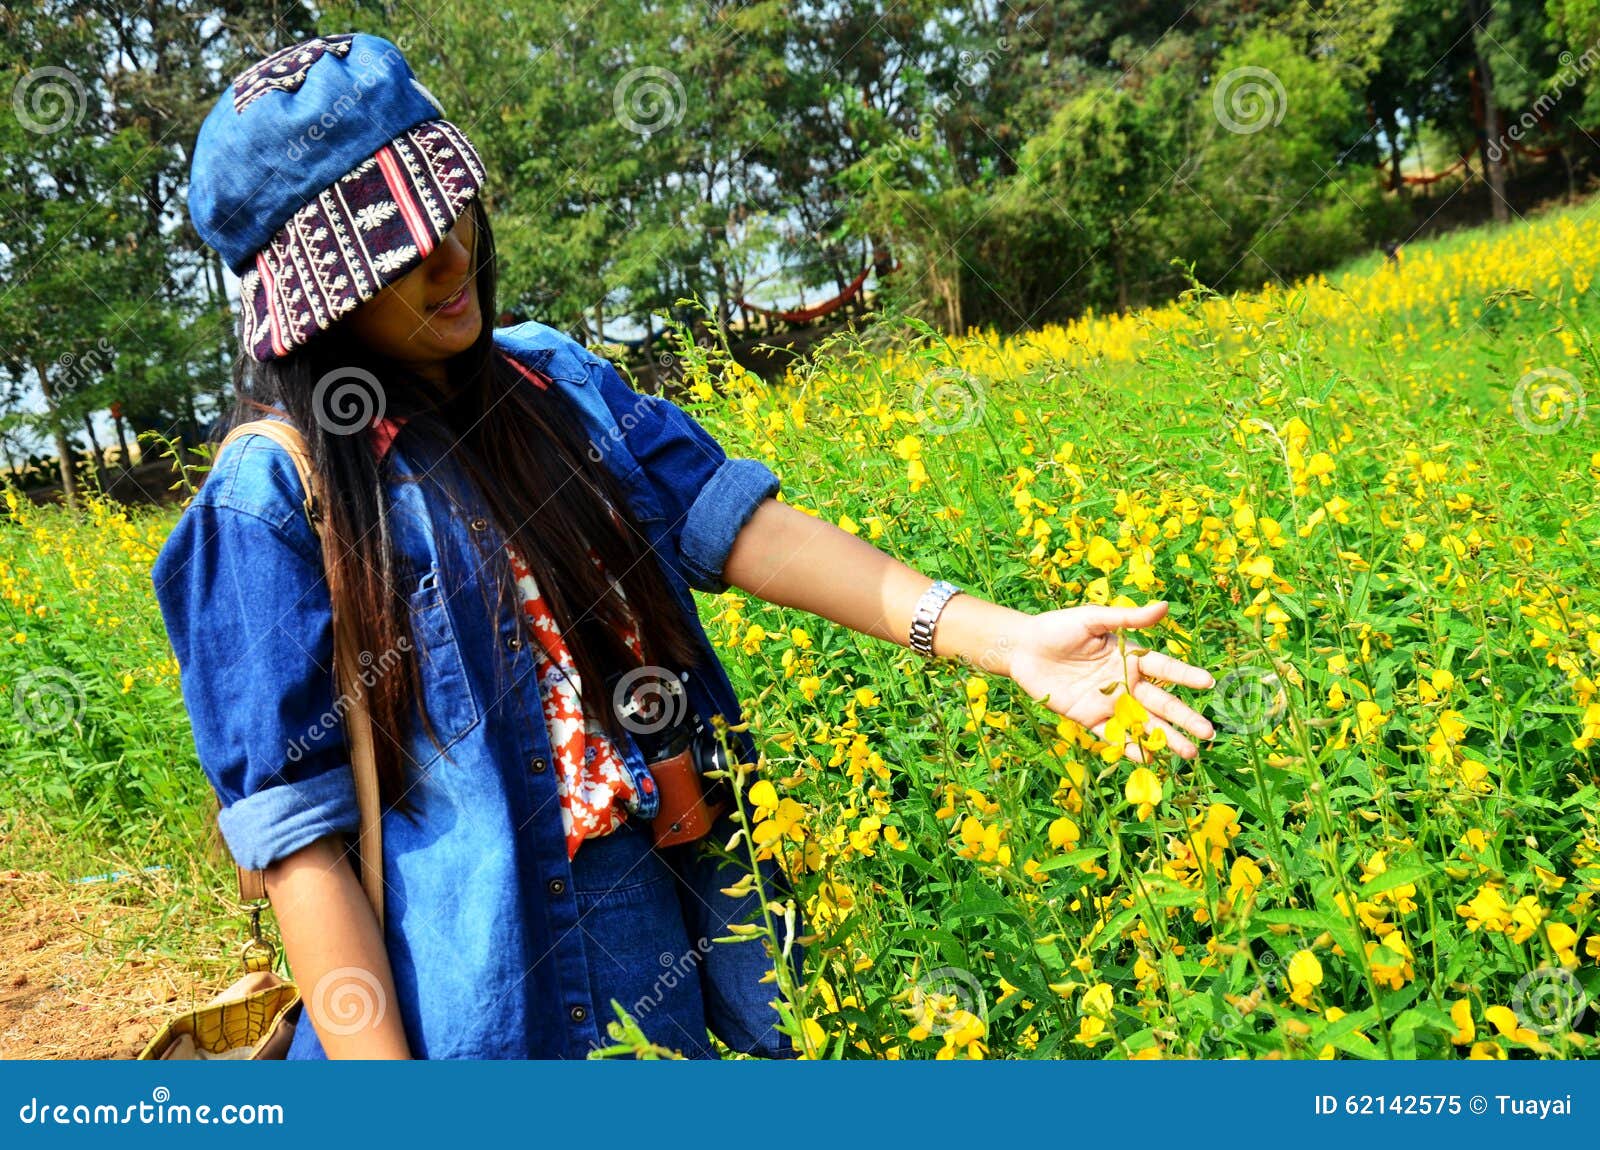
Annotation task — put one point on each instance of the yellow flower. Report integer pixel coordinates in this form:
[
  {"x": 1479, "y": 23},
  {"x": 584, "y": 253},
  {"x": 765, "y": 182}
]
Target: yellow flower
[
  {"x": 1370, "y": 719},
  {"x": 1525, "y": 918},
  {"x": 1549, "y": 880},
  {"x": 1103, "y": 555},
  {"x": 1090, "y": 1030},
  {"x": 1098, "y": 1000},
  {"x": 1143, "y": 790},
  {"x": 1244, "y": 878},
  {"x": 1505, "y": 1022},
  {"x": 1564, "y": 941},
  {"x": 1487, "y": 909},
  {"x": 1064, "y": 833},
  {"x": 763, "y": 795},
  {"x": 1390, "y": 960},
  {"x": 1461, "y": 1015},
  {"x": 1305, "y": 975},
  {"x": 816, "y": 1039}
]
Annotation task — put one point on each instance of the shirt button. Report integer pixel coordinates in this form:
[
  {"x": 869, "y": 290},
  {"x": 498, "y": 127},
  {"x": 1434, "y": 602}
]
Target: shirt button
[
  {"x": 480, "y": 524},
  {"x": 578, "y": 1013},
  {"x": 515, "y": 642},
  {"x": 558, "y": 886},
  {"x": 538, "y": 764}
]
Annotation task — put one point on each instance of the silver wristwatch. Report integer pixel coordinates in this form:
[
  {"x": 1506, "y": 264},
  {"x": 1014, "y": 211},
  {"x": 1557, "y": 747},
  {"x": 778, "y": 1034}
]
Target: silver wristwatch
[{"x": 927, "y": 614}]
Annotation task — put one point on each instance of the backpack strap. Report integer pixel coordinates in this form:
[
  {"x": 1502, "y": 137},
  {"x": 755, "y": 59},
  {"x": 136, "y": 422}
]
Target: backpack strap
[{"x": 347, "y": 678}]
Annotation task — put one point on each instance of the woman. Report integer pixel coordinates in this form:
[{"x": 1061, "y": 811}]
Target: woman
[{"x": 513, "y": 523}]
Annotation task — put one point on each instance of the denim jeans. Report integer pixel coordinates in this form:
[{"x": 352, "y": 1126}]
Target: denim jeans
[
  {"x": 634, "y": 911},
  {"x": 636, "y": 941}
]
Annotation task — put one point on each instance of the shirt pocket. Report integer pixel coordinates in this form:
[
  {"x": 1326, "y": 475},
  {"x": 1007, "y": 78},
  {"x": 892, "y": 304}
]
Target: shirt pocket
[{"x": 446, "y": 691}]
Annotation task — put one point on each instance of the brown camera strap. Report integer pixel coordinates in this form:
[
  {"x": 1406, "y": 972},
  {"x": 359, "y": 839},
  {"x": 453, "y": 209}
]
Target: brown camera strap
[{"x": 347, "y": 679}]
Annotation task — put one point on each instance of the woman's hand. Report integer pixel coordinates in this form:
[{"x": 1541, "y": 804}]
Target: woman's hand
[{"x": 1068, "y": 658}]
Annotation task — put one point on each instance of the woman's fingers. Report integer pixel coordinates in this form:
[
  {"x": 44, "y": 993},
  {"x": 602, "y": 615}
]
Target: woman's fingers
[
  {"x": 1175, "y": 739},
  {"x": 1173, "y": 710},
  {"x": 1155, "y": 665},
  {"x": 1133, "y": 751},
  {"x": 1100, "y": 619}
]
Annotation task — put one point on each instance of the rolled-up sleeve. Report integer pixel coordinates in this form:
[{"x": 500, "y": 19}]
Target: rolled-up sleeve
[
  {"x": 707, "y": 495},
  {"x": 247, "y": 611}
]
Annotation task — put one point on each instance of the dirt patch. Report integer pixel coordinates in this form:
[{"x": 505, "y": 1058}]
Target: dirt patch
[{"x": 70, "y": 986}]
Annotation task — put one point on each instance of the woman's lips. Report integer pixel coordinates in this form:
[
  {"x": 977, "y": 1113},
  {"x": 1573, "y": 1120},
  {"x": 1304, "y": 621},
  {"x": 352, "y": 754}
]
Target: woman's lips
[{"x": 453, "y": 306}]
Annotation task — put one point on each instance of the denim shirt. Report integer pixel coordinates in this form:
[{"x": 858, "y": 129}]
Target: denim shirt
[{"x": 481, "y": 918}]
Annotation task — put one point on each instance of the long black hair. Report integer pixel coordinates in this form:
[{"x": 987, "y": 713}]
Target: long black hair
[{"x": 527, "y": 453}]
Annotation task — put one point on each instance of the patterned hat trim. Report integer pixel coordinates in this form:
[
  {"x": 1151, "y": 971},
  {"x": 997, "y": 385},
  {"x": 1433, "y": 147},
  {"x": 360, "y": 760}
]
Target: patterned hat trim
[
  {"x": 409, "y": 212},
  {"x": 368, "y": 228},
  {"x": 285, "y": 70}
]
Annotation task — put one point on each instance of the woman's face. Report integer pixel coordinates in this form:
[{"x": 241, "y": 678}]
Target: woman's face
[{"x": 431, "y": 313}]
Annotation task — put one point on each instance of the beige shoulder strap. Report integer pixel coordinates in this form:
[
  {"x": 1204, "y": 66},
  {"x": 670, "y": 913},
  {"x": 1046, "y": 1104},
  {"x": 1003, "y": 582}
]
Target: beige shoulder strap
[{"x": 357, "y": 720}]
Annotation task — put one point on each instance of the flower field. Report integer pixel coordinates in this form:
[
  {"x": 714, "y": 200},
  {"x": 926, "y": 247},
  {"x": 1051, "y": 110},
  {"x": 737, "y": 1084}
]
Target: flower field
[{"x": 1373, "y": 502}]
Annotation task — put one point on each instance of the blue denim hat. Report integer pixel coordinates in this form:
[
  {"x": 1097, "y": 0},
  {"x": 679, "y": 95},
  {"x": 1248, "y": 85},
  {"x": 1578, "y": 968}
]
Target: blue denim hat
[{"x": 324, "y": 173}]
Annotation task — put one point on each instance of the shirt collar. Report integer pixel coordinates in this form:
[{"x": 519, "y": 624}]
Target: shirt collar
[{"x": 382, "y": 431}]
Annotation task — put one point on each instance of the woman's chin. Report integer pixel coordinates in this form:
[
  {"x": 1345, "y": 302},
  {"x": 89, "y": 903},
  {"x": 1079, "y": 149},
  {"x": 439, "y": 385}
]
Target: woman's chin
[{"x": 454, "y": 335}]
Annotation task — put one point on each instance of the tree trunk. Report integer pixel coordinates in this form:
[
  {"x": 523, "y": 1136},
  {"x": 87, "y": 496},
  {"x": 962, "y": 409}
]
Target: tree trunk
[
  {"x": 1489, "y": 143},
  {"x": 192, "y": 435},
  {"x": 650, "y": 356},
  {"x": 1397, "y": 178},
  {"x": 1118, "y": 262},
  {"x": 122, "y": 440},
  {"x": 58, "y": 435},
  {"x": 95, "y": 452}
]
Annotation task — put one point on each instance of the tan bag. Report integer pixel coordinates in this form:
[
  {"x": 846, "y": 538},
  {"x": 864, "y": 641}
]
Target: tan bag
[{"x": 250, "y": 1019}]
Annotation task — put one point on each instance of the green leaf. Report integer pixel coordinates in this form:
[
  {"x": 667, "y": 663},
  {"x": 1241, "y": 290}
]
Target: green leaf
[
  {"x": 1395, "y": 876},
  {"x": 1072, "y": 858}
]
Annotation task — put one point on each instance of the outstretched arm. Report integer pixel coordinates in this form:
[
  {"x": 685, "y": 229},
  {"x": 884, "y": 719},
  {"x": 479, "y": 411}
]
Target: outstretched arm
[{"x": 1064, "y": 658}]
